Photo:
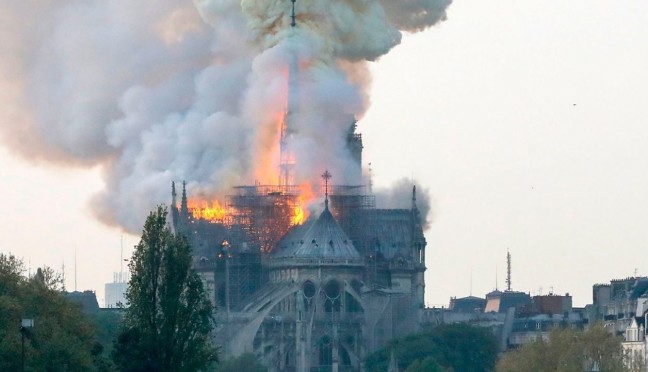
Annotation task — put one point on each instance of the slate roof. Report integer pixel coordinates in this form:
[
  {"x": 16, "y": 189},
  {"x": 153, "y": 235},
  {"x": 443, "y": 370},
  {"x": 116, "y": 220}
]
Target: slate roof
[
  {"x": 387, "y": 231},
  {"x": 323, "y": 239}
]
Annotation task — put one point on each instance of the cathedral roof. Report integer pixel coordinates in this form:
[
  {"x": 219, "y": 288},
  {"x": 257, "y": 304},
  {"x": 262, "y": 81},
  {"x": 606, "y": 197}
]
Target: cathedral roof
[{"x": 323, "y": 239}]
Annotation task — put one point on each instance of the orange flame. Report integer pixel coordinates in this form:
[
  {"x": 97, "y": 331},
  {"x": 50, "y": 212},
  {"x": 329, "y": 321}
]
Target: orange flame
[
  {"x": 298, "y": 216},
  {"x": 266, "y": 171},
  {"x": 212, "y": 211},
  {"x": 266, "y": 158},
  {"x": 300, "y": 213}
]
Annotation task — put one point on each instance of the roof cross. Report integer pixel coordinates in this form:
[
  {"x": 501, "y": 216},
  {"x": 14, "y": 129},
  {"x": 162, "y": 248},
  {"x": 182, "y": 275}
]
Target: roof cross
[{"x": 326, "y": 176}]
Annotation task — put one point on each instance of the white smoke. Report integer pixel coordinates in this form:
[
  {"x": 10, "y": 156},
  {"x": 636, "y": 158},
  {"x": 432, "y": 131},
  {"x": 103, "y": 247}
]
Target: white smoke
[
  {"x": 400, "y": 195},
  {"x": 162, "y": 90}
]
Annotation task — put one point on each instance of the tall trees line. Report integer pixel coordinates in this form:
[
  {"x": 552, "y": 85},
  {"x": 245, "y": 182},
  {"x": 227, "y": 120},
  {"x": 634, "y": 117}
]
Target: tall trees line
[
  {"x": 168, "y": 323},
  {"x": 62, "y": 337},
  {"x": 166, "y": 327}
]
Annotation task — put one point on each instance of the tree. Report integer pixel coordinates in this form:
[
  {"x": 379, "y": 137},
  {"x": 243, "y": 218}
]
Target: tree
[
  {"x": 458, "y": 347},
  {"x": 108, "y": 323},
  {"x": 426, "y": 365},
  {"x": 568, "y": 350},
  {"x": 245, "y": 362},
  {"x": 168, "y": 322},
  {"x": 62, "y": 338}
]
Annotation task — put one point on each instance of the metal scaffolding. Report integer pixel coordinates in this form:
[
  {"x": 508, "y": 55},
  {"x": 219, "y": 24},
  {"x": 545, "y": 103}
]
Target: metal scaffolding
[{"x": 265, "y": 212}]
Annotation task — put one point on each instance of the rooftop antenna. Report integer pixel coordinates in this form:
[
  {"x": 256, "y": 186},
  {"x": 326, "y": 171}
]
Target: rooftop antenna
[
  {"x": 75, "y": 271},
  {"x": 508, "y": 270},
  {"x": 121, "y": 254},
  {"x": 63, "y": 275},
  {"x": 326, "y": 176}
]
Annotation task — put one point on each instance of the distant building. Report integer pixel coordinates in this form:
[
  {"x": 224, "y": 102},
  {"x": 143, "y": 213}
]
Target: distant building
[
  {"x": 514, "y": 317},
  {"x": 618, "y": 303},
  {"x": 500, "y": 302},
  {"x": 87, "y": 300},
  {"x": 634, "y": 344},
  {"x": 115, "y": 291},
  {"x": 467, "y": 304},
  {"x": 530, "y": 328},
  {"x": 622, "y": 306},
  {"x": 552, "y": 304}
]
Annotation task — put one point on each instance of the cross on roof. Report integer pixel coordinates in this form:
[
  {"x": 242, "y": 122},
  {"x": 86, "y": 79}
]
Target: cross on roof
[
  {"x": 326, "y": 176},
  {"x": 292, "y": 16}
]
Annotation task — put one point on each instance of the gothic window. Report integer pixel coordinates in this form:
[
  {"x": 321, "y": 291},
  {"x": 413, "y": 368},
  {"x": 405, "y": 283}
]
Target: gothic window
[
  {"x": 309, "y": 290},
  {"x": 344, "y": 357},
  {"x": 332, "y": 292},
  {"x": 325, "y": 351}
]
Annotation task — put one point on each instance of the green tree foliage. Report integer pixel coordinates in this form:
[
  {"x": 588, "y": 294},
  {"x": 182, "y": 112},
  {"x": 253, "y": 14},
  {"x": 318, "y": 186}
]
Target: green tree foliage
[
  {"x": 426, "y": 365},
  {"x": 567, "y": 350},
  {"x": 246, "y": 362},
  {"x": 108, "y": 322},
  {"x": 168, "y": 324},
  {"x": 454, "y": 347},
  {"x": 62, "y": 337}
]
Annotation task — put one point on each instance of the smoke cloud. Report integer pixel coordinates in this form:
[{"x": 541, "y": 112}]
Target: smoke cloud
[
  {"x": 162, "y": 90},
  {"x": 399, "y": 196}
]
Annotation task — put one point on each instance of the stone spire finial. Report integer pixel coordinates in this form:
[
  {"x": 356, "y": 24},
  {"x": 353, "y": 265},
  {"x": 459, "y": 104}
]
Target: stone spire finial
[{"x": 414, "y": 197}]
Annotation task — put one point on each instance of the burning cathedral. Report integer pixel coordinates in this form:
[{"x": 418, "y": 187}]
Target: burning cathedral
[
  {"x": 302, "y": 288},
  {"x": 318, "y": 294}
]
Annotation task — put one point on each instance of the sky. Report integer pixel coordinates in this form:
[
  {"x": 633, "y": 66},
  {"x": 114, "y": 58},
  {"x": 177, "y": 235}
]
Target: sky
[{"x": 524, "y": 121}]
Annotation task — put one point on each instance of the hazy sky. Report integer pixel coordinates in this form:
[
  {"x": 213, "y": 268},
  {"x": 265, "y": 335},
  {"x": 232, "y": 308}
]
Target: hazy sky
[{"x": 525, "y": 121}]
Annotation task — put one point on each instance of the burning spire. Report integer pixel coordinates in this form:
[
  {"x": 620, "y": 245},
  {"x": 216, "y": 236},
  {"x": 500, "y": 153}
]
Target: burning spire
[{"x": 286, "y": 157}]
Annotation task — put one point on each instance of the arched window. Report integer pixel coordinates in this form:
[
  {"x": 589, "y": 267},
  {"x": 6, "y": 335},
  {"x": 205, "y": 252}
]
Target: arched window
[
  {"x": 332, "y": 291},
  {"x": 325, "y": 351}
]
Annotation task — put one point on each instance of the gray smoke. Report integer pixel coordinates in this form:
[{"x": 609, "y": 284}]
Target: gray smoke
[
  {"x": 399, "y": 196},
  {"x": 155, "y": 91}
]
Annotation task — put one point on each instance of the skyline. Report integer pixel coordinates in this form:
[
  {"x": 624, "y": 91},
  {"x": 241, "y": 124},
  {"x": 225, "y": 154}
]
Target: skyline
[{"x": 529, "y": 135}]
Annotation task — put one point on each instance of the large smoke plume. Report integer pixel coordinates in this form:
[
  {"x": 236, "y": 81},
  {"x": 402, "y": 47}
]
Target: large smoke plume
[{"x": 162, "y": 90}]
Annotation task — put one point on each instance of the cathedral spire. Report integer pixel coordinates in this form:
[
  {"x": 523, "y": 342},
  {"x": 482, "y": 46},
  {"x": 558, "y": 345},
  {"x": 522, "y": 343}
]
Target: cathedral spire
[
  {"x": 184, "y": 209},
  {"x": 413, "y": 197},
  {"x": 286, "y": 157},
  {"x": 173, "y": 195}
]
